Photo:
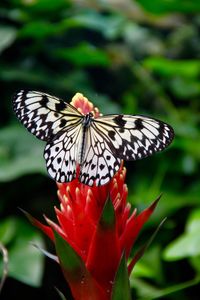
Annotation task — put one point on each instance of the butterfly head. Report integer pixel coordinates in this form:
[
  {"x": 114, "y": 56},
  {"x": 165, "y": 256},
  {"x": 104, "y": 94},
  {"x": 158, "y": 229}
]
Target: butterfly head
[{"x": 87, "y": 119}]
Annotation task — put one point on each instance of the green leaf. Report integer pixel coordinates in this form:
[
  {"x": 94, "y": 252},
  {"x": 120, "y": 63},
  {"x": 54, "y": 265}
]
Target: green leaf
[
  {"x": 38, "y": 29},
  {"x": 43, "y": 5},
  {"x": 188, "y": 244},
  {"x": 7, "y": 37},
  {"x": 171, "y": 68},
  {"x": 107, "y": 219},
  {"x": 110, "y": 26},
  {"x": 121, "y": 287},
  {"x": 147, "y": 291},
  {"x": 195, "y": 263},
  {"x": 166, "y": 6},
  {"x": 149, "y": 266},
  {"x": 141, "y": 269},
  {"x": 193, "y": 223},
  {"x": 7, "y": 230},
  {"x": 20, "y": 153},
  {"x": 84, "y": 55},
  {"x": 185, "y": 88},
  {"x": 26, "y": 263},
  {"x": 70, "y": 261}
]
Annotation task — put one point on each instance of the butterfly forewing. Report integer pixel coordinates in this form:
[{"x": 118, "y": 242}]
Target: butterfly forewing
[
  {"x": 42, "y": 114},
  {"x": 133, "y": 137}
]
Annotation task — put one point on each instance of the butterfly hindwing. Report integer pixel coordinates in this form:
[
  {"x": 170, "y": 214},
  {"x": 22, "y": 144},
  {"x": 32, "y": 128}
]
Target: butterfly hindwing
[
  {"x": 42, "y": 114},
  {"x": 134, "y": 137},
  {"x": 61, "y": 154},
  {"x": 99, "y": 163}
]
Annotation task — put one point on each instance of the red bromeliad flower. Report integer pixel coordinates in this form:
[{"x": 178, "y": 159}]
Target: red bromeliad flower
[
  {"x": 95, "y": 233},
  {"x": 95, "y": 228}
]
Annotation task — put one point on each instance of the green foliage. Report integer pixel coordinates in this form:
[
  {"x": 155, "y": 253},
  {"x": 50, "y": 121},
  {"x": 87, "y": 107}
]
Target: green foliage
[
  {"x": 84, "y": 55},
  {"x": 187, "y": 244},
  {"x": 166, "y": 6},
  {"x": 7, "y": 37},
  {"x": 121, "y": 287},
  {"x": 19, "y": 153},
  {"x": 25, "y": 262},
  {"x": 125, "y": 56}
]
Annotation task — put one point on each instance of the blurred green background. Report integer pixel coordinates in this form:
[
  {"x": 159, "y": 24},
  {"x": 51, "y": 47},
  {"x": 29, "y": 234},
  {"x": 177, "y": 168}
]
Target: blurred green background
[{"x": 135, "y": 57}]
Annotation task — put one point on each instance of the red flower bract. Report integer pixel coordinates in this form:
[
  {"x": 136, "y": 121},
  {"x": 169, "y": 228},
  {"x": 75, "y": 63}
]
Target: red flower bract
[
  {"x": 100, "y": 242},
  {"x": 95, "y": 228}
]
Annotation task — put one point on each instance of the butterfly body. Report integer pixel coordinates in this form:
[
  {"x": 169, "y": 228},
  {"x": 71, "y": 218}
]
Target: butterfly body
[
  {"x": 96, "y": 144},
  {"x": 86, "y": 123}
]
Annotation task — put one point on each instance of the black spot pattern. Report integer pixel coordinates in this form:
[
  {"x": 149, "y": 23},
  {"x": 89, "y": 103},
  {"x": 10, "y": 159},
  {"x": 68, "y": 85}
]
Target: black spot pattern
[
  {"x": 102, "y": 167},
  {"x": 59, "y": 160},
  {"x": 138, "y": 124},
  {"x": 44, "y": 101},
  {"x": 92, "y": 167},
  {"x": 111, "y": 134},
  {"x": 119, "y": 120},
  {"x": 60, "y": 106},
  {"x": 63, "y": 123}
]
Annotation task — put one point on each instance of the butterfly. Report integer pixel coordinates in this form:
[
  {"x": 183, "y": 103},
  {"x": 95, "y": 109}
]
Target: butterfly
[{"x": 96, "y": 144}]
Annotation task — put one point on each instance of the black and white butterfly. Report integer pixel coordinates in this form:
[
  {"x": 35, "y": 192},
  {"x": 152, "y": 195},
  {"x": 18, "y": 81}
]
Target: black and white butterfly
[{"x": 97, "y": 145}]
